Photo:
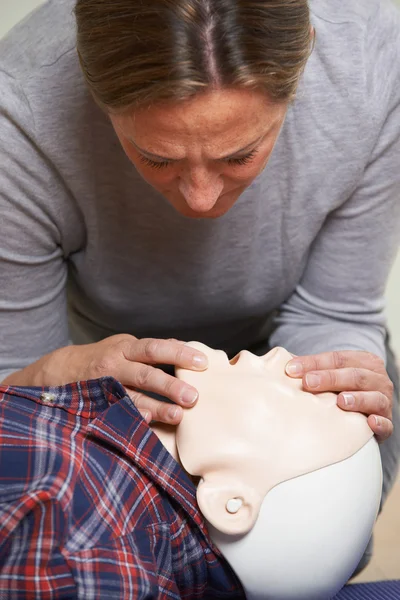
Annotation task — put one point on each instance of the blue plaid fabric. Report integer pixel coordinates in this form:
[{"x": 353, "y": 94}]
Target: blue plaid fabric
[
  {"x": 92, "y": 506},
  {"x": 385, "y": 590}
]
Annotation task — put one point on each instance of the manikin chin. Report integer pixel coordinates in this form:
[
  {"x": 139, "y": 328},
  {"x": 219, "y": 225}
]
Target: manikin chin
[{"x": 290, "y": 484}]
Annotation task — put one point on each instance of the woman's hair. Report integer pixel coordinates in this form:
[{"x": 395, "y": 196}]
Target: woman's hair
[{"x": 138, "y": 52}]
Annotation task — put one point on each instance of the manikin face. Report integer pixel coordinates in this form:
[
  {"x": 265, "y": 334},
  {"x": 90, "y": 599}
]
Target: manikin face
[
  {"x": 201, "y": 154},
  {"x": 253, "y": 428}
]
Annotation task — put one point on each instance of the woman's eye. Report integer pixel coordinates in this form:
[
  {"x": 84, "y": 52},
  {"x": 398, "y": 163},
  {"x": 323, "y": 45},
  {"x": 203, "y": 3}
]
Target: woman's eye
[
  {"x": 153, "y": 164},
  {"x": 243, "y": 160}
]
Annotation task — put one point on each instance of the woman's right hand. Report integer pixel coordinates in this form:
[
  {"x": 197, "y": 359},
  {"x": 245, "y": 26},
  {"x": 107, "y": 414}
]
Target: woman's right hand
[{"x": 132, "y": 362}]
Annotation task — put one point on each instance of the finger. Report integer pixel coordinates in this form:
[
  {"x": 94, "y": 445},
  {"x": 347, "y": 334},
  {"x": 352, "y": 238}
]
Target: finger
[
  {"x": 383, "y": 428},
  {"x": 156, "y": 410},
  {"x": 369, "y": 403},
  {"x": 165, "y": 352},
  {"x": 335, "y": 360},
  {"x": 149, "y": 379},
  {"x": 339, "y": 380},
  {"x": 147, "y": 416},
  {"x": 136, "y": 397}
]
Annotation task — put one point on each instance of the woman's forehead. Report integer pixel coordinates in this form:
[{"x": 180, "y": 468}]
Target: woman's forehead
[{"x": 220, "y": 116}]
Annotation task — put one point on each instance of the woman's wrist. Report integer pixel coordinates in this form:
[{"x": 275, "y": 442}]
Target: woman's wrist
[{"x": 53, "y": 369}]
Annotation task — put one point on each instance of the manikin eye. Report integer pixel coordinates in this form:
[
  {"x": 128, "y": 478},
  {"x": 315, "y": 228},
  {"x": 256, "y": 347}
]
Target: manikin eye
[{"x": 233, "y": 506}]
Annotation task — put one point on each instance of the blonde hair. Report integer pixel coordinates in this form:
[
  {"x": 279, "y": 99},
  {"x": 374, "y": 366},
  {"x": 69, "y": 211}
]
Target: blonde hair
[{"x": 138, "y": 52}]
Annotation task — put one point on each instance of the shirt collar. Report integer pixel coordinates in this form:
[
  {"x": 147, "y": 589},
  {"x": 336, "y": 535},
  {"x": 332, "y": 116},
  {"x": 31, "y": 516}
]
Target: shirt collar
[
  {"x": 85, "y": 399},
  {"x": 123, "y": 427}
]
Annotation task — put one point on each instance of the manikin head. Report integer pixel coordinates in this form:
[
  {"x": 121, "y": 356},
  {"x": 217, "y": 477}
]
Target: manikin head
[{"x": 282, "y": 472}]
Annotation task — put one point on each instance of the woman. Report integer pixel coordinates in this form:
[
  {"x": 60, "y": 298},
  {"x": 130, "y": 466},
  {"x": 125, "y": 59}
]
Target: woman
[{"x": 218, "y": 170}]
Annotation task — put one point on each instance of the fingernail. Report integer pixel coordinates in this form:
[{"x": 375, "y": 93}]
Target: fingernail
[
  {"x": 378, "y": 422},
  {"x": 349, "y": 399},
  {"x": 173, "y": 412},
  {"x": 294, "y": 368},
  {"x": 147, "y": 417},
  {"x": 312, "y": 380},
  {"x": 189, "y": 397},
  {"x": 200, "y": 362}
]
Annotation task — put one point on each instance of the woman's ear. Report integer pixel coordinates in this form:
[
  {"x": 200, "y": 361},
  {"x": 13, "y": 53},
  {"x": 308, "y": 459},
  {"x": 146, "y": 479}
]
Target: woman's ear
[{"x": 231, "y": 507}]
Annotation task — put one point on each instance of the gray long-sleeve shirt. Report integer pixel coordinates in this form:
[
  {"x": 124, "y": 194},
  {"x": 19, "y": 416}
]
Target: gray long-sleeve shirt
[{"x": 89, "y": 249}]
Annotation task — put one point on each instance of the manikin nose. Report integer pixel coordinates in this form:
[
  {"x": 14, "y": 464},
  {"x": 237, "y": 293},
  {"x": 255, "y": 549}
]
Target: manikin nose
[{"x": 201, "y": 196}]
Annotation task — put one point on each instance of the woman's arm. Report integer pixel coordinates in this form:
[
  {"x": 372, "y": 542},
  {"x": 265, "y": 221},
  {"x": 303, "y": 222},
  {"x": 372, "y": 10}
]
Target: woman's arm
[
  {"x": 39, "y": 232},
  {"x": 33, "y": 268},
  {"x": 339, "y": 303},
  {"x": 335, "y": 319}
]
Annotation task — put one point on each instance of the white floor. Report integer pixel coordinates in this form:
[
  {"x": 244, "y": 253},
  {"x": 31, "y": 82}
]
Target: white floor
[
  {"x": 385, "y": 563},
  {"x": 393, "y": 300}
]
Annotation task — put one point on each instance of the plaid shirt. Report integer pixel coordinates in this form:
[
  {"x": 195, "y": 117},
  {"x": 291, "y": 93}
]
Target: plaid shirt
[{"x": 93, "y": 506}]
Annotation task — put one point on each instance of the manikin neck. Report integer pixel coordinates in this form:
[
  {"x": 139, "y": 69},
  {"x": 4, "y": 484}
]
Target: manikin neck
[{"x": 167, "y": 436}]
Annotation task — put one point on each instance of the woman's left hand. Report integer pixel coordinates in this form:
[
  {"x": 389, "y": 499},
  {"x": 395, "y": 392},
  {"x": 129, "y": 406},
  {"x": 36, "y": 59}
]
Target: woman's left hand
[{"x": 360, "y": 379}]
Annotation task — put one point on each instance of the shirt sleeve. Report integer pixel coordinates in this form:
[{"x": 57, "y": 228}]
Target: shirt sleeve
[
  {"x": 33, "y": 315},
  {"x": 339, "y": 302}
]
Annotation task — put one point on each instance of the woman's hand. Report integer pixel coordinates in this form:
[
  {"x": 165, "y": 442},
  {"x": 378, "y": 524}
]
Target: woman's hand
[
  {"x": 360, "y": 379},
  {"x": 132, "y": 362}
]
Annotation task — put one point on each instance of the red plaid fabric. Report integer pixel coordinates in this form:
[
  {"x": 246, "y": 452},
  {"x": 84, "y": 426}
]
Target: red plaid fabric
[{"x": 92, "y": 505}]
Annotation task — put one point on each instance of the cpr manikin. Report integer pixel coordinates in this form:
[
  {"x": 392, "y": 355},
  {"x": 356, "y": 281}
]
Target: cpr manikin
[{"x": 290, "y": 484}]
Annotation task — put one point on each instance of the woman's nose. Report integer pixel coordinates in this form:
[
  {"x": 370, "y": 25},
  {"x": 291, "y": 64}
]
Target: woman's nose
[{"x": 201, "y": 192}]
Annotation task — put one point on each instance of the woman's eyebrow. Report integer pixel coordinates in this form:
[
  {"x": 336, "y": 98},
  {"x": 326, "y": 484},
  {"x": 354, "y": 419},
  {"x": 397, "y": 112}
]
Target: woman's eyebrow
[{"x": 158, "y": 157}]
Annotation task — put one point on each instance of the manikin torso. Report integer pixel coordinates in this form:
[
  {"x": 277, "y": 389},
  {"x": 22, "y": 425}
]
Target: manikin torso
[{"x": 268, "y": 453}]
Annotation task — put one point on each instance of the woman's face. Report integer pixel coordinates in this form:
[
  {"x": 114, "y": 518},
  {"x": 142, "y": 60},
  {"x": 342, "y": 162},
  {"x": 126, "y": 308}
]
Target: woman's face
[{"x": 201, "y": 154}]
